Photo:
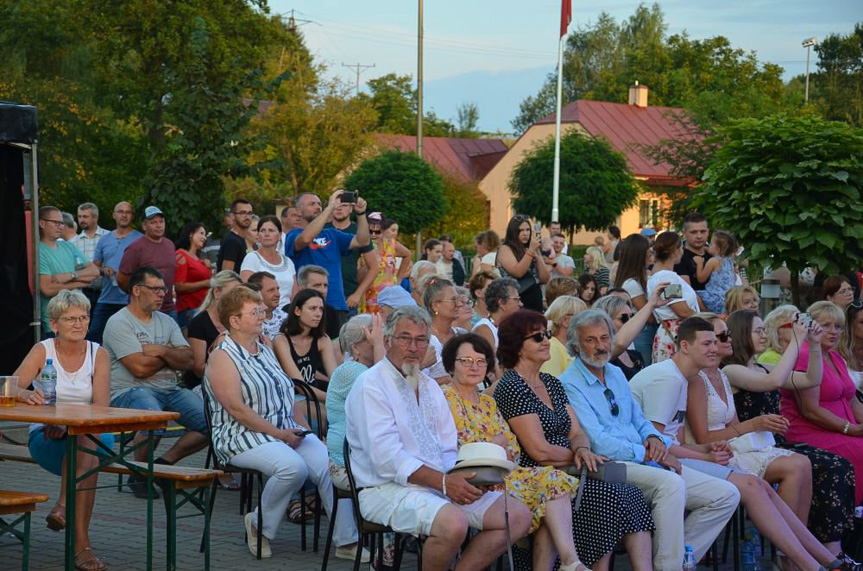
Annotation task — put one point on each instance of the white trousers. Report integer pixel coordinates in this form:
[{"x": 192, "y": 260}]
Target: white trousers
[
  {"x": 710, "y": 503},
  {"x": 287, "y": 469}
]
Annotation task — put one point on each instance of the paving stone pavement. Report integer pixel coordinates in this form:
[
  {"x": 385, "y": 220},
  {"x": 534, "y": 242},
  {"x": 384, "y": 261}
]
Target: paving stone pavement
[{"x": 118, "y": 534}]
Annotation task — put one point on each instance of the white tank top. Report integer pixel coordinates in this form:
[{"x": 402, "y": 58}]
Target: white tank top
[
  {"x": 75, "y": 387},
  {"x": 490, "y": 324}
]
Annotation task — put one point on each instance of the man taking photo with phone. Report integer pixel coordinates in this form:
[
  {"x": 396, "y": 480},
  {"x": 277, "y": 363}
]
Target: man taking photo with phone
[{"x": 325, "y": 247}]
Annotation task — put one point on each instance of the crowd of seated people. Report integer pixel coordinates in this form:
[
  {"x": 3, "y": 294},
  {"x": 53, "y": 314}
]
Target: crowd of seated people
[{"x": 617, "y": 369}]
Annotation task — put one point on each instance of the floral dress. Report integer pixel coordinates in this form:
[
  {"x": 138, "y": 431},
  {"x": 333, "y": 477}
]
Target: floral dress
[
  {"x": 534, "y": 487},
  {"x": 608, "y": 511},
  {"x": 832, "y": 510},
  {"x": 387, "y": 270}
]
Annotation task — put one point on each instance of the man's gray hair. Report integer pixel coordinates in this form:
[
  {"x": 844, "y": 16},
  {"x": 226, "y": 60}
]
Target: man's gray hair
[
  {"x": 303, "y": 274},
  {"x": 415, "y": 271},
  {"x": 91, "y": 207},
  {"x": 413, "y": 313},
  {"x": 353, "y": 331},
  {"x": 68, "y": 220},
  {"x": 585, "y": 319}
]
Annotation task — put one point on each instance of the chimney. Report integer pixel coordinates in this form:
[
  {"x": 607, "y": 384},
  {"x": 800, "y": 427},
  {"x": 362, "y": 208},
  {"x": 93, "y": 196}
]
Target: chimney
[{"x": 638, "y": 95}]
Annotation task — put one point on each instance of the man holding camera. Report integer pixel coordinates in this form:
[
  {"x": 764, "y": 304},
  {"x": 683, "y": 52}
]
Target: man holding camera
[
  {"x": 325, "y": 247},
  {"x": 355, "y": 290}
]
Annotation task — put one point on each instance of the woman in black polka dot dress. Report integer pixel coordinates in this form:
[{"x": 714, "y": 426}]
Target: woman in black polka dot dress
[{"x": 537, "y": 409}]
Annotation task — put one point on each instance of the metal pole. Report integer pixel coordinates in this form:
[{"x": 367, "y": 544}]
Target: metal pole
[
  {"x": 808, "y": 49},
  {"x": 34, "y": 222},
  {"x": 419, "y": 100},
  {"x": 556, "y": 183}
]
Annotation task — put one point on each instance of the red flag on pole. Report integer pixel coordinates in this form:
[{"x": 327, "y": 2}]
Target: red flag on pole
[{"x": 565, "y": 16}]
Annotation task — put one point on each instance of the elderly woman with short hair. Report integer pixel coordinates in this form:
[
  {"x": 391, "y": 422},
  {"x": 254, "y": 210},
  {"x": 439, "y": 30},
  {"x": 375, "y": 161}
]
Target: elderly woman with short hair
[
  {"x": 83, "y": 377},
  {"x": 741, "y": 297},
  {"x": 421, "y": 272},
  {"x": 501, "y": 299},
  {"x": 559, "y": 313},
  {"x": 251, "y": 411}
]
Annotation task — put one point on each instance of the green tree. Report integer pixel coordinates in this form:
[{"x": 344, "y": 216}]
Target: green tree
[
  {"x": 837, "y": 87},
  {"x": 467, "y": 212},
  {"x": 595, "y": 183},
  {"x": 395, "y": 99},
  {"x": 404, "y": 187},
  {"x": 789, "y": 187},
  {"x": 602, "y": 60},
  {"x": 468, "y": 119}
]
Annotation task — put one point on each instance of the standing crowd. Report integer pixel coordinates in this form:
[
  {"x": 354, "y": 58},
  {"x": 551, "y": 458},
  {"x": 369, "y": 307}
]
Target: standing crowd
[{"x": 655, "y": 360}]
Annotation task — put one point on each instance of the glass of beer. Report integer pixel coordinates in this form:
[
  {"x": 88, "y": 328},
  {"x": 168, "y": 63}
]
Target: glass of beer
[{"x": 8, "y": 390}]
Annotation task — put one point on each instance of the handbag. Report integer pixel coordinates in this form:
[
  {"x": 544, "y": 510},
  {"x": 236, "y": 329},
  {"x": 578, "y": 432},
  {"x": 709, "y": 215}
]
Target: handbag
[
  {"x": 609, "y": 472},
  {"x": 752, "y": 442}
]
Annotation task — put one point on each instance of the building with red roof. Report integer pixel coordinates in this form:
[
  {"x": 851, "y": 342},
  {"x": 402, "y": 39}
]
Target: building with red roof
[
  {"x": 627, "y": 127},
  {"x": 468, "y": 160}
]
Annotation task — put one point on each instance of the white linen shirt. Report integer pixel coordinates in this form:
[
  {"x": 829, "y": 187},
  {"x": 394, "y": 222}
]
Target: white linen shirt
[{"x": 391, "y": 439}]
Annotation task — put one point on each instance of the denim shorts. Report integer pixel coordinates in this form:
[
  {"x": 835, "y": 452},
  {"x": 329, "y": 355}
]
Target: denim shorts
[
  {"x": 49, "y": 453},
  {"x": 188, "y": 404}
]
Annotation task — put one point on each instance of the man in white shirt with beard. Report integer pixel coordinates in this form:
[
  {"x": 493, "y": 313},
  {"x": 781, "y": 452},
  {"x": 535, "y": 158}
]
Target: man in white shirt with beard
[{"x": 403, "y": 441}]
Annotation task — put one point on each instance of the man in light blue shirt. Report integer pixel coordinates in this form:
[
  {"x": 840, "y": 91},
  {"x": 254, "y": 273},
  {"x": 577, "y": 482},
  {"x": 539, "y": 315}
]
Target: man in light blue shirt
[{"x": 618, "y": 429}]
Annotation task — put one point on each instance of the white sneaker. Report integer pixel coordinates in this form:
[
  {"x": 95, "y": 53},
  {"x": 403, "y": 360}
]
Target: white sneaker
[
  {"x": 349, "y": 552},
  {"x": 252, "y": 539}
]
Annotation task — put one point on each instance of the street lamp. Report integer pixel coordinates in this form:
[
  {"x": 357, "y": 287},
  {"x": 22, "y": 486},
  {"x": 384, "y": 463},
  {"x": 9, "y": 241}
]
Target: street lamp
[{"x": 808, "y": 43}]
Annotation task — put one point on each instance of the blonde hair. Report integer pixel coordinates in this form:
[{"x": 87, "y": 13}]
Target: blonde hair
[
  {"x": 734, "y": 298},
  {"x": 218, "y": 281},
  {"x": 598, "y": 258},
  {"x": 827, "y": 310},
  {"x": 707, "y": 316},
  {"x": 776, "y": 319},
  {"x": 66, "y": 299},
  {"x": 560, "y": 307},
  {"x": 232, "y": 303}
]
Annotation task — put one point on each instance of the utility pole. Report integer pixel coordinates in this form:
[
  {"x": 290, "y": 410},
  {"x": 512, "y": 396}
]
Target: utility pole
[
  {"x": 419, "y": 99},
  {"x": 808, "y": 43},
  {"x": 360, "y": 68}
]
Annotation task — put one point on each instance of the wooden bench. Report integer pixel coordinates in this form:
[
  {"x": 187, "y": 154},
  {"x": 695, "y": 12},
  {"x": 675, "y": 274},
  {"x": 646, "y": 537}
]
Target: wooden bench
[
  {"x": 23, "y": 503},
  {"x": 180, "y": 485}
]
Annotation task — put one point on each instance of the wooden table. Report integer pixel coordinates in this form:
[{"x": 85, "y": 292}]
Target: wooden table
[{"x": 87, "y": 420}]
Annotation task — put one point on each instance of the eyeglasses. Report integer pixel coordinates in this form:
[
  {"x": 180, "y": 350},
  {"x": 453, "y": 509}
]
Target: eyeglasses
[
  {"x": 405, "y": 341},
  {"x": 724, "y": 337},
  {"x": 71, "y": 320},
  {"x": 539, "y": 336},
  {"x": 760, "y": 331},
  {"x": 520, "y": 217},
  {"x": 243, "y": 213},
  {"x": 469, "y": 362},
  {"x": 57, "y": 223},
  {"x": 254, "y": 313},
  {"x": 612, "y": 402},
  {"x": 123, "y": 212},
  {"x": 375, "y": 232},
  {"x": 454, "y": 300},
  {"x": 516, "y": 298},
  {"x": 624, "y": 317},
  {"x": 833, "y": 326},
  {"x": 155, "y": 289}
]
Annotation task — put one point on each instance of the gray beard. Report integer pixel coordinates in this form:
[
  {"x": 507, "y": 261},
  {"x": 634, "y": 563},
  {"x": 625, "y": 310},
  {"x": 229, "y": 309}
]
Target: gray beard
[
  {"x": 596, "y": 364},
  {"x": 412, "y": 374}
]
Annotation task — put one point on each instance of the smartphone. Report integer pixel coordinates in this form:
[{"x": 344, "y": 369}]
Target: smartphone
[
  {"x": 348, "y": 197},
  {"x": 305, "y": 433},
  {"x": 673, "y": 291},
  {"x": 546, "y": 253},
  {"x": 537, "y": 227}
]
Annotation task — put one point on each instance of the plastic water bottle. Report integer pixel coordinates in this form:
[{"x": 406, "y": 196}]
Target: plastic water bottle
[
  {"x": 749, "y": 558},
  {"x": 689, "y": 562},
  {"x": 48, "y": 383}
]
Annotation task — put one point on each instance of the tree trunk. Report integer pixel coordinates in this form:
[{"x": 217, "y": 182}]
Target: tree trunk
[{"x": 795, "y": 286}]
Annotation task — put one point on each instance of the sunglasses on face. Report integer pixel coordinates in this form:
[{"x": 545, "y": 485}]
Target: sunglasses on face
[
  {"x": 624, "y": 317},
  {"x": 539, "y": 336},
  {"x": 724, "y": 337},
  {"x": 612, "y": 402},
  {"x": 856, "y": 304}
]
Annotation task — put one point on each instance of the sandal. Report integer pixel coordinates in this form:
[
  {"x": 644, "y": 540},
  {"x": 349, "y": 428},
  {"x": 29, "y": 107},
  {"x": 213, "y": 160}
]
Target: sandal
[
  {"x": 92, "y": 563},
  {"x": 574, "y": 566},
  {"x": 228, "y": 482},
  {"x": 295, "y": 511},
  {"x": 57, "y": 518}
]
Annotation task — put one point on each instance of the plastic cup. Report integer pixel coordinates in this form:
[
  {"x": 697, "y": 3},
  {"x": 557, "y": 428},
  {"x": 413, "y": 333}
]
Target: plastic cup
[{"x": 8, "y": 390}]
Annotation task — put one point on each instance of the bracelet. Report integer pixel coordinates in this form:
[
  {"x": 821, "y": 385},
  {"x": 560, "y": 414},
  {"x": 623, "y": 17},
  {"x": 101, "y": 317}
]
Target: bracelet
[
  {"x": 529, "y": 253},
  {"x": 734, "y": 428},
  {"x": 363, "y": 213},
  {"x": 845, "y": 427},
  {"x": 443, "y": 484}
]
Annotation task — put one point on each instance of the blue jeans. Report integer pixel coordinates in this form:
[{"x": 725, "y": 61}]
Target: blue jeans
[
  {"x": 101, "y": 314},
  {"x": 644, "y": 343},
  {"x": 188, "y": 404},
  {"x": 50, "y": 453}
]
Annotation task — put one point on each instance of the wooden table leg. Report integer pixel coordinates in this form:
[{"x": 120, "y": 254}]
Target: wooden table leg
[{"x": 71, "y": 498}]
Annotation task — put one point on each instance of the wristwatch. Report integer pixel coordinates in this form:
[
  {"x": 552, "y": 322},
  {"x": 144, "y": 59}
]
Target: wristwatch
[{"x": 74, "y": 276}]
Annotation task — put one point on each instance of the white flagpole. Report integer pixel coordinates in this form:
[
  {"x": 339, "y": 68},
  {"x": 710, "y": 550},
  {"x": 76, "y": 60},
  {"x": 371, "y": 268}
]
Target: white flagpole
[{"x": 556, "y": 187}]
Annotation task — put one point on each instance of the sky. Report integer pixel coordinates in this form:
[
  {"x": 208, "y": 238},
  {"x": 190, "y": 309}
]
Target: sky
[{"x": 494, "y": 53}]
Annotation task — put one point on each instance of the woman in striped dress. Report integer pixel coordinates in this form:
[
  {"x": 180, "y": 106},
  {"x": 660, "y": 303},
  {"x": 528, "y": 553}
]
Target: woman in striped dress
[{"x": 251, "y": 403}]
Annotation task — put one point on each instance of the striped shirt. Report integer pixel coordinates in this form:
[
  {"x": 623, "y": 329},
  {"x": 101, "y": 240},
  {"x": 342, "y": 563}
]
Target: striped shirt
[{"x": 266, "y": 389}]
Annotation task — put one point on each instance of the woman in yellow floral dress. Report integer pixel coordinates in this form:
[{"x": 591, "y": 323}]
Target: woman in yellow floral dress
[
  {"x": 546, "y": 491},
  {"x": 388, "y": 250}
]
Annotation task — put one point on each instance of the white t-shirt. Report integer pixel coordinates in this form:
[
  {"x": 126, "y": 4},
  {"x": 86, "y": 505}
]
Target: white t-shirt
[
  {"x": 633, "y": 288},
  {"x": 660, "y": 390},
  {"x": 444, "y": 269},
  {"x": 489, "y": 259},
  {"x": 285, "y": 273},
  {"x": 563, "y": 261},
  {"x": 689, "y": 295}
]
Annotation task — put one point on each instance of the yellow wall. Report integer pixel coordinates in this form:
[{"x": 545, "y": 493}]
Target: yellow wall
[{"x": 494, "y": 185}]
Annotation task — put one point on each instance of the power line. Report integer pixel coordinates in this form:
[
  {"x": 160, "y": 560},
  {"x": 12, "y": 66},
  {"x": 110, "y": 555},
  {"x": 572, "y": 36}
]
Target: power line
[{"x": 360, "y": 68}]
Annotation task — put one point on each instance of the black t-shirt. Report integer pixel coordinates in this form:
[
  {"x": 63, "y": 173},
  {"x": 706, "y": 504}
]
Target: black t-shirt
[
  {"x": 687, "y": 268},
  {"x": 233, "y": 248},
  {"x": 200, "y": 327},
  {"x": 349, "y": 263}
]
